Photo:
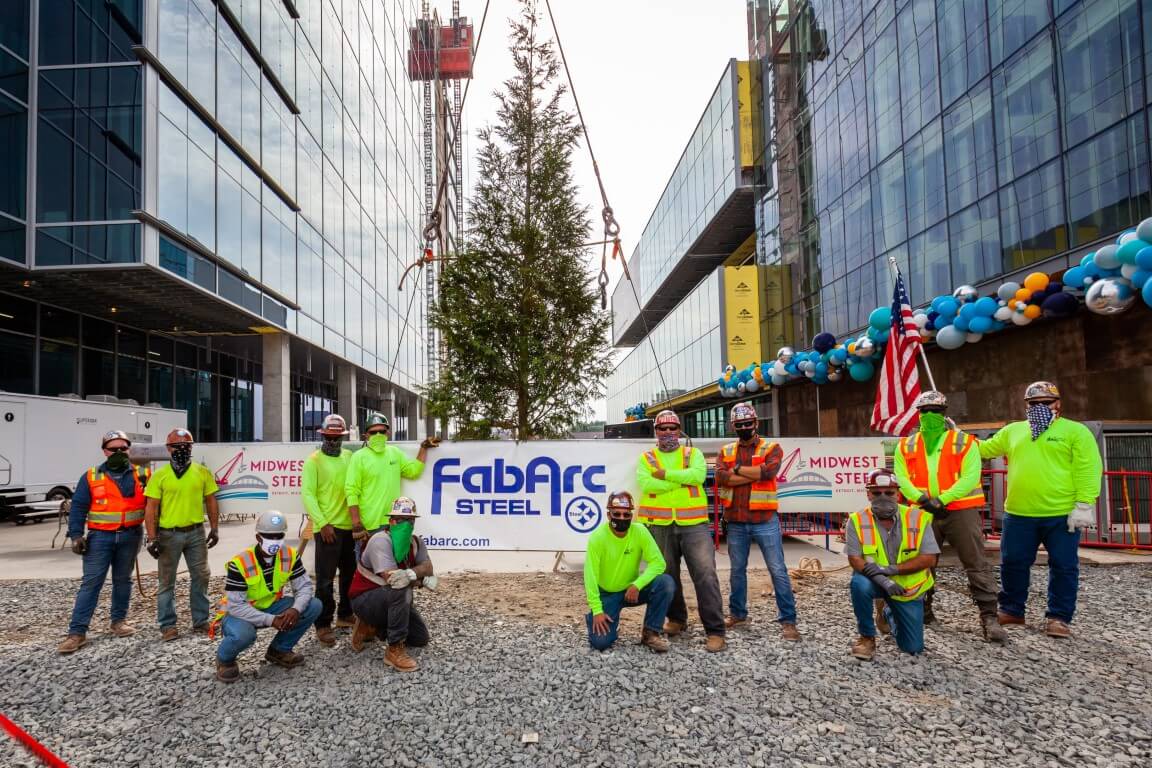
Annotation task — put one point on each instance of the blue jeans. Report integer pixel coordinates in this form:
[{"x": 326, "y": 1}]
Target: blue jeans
[
  {"x": 1019, "y": 541},
  {"x": 106, "y": 549},
  {"x": 905, "y": 616},
  {"x": 239, "y": 634},
  {"x": 768, "y": 537},
  {"x": 656, "y": 596},
  {"x": 191, "y": 544}
]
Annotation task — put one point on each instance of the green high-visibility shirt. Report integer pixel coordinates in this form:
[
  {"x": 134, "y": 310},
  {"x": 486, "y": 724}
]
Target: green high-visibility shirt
[
  {"x": 373, "y": 482},
  {"x": 181, "y": 498},
  {"x": 1049, "y": 476},
  {"x": 612, "y": 563},
  {"x": 322, "y": 489},
  {"x": 968, "y": 480}
]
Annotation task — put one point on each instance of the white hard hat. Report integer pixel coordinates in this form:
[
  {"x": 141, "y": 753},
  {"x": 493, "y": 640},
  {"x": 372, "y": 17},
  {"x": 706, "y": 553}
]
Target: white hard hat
[
  {"x": 271, "y": 521},
  {"x": 930, "y": 398},
  {"x": 404, "y": 507}
]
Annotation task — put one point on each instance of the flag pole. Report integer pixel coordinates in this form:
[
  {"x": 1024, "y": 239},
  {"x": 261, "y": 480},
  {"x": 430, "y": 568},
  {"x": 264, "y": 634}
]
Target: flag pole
[{"x": 923, "y": 354}]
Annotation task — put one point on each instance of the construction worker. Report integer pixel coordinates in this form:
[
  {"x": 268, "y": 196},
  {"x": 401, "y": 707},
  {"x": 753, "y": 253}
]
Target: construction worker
[
  {"x": 178, "y": 495},
  {"x": 612, "y": 577},
  {"x": 254, "y": 598},
  {"x": 892, "y": 552},
  {"x": 675, "y": 509},
  {"x": 110, "y": 499},
  {"x": 393, "y": 562},
  {"x": 1054, "y": 473},
  {"x": 746, "y": 473},
  {"x": 372, "y": 482},
  {"x": 322, "y": 490},
  {"x": 938, "y": 469}
]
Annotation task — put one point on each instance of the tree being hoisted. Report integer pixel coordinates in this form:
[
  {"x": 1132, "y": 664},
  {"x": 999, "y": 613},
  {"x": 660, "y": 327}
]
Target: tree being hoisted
[{"x": 524, "y": 343}]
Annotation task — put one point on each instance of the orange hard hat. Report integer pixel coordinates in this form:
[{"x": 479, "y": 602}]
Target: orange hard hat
[{"x": 179, "y": 436}]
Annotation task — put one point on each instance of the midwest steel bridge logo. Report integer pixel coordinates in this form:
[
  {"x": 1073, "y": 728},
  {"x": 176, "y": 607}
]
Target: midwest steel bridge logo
[
  {"x": 243, "y": 486},
  {"x": 817, "y": 476}
]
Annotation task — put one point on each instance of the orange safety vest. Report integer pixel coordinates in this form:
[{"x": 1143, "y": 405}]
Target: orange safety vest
[
  {"x": 763, "y": 494},
  {"x": 685, "y": 505},
  {"x": 110, "y": 510},
  {"x": 953, "y": 449}
]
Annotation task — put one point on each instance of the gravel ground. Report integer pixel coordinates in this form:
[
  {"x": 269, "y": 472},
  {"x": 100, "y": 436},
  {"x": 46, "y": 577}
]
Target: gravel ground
[{"x": 508, "y": 658}]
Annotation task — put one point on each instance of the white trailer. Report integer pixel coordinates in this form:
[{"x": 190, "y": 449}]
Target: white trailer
[{"x": 46, "y": 443}]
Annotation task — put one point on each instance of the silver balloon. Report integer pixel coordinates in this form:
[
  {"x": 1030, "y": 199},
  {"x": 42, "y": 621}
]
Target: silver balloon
[
  {"x": 1109, "y": 296},
  {"x": 864, "y": 347},
  {"x": 965, "y": 294},
  {"x": 785, "y": 355}
]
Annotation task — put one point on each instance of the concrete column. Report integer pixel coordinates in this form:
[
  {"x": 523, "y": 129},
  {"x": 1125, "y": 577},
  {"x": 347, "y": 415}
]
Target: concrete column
[
  {"x": 417, "y": 420},
  {"x": 277, "y": 392},
  {"x": 388, "y": 406},
  {"x": 346, "y": 397}
]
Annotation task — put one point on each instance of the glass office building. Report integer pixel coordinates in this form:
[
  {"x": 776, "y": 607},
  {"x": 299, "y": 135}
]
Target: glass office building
[
  {"x": 208, "y": 204},
  {"x": 970, "y": 139}
]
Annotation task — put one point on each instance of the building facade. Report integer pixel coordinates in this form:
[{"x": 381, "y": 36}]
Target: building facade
[{"x": 208, "y": 204}]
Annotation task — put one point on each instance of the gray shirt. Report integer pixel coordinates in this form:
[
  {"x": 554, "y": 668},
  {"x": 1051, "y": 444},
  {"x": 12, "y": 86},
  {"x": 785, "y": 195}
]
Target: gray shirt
[
  {"x": 890, "y": 537},
  {"x": 378, "y": 557}
]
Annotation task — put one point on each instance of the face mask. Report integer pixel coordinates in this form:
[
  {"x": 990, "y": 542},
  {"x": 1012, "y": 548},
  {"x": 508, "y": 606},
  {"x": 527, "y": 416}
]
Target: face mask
[
  {"x": 378, "y": 442},
  {"x": 1040, "y": 417},
  {"x": 401, "y": 535},
  {"x": 620, "y": 526},
  {"x": 746, "y": 434},
  {"x": 884, "y": 507},
  {"x": 932, "y": 427},
  {"x": 331, "y": 446},
  {"x": 118, "y": 462},
  {"x": 668, "y": 441},
  {"x": 270, "y": 546},
  {"x": 181, "y": 458}
]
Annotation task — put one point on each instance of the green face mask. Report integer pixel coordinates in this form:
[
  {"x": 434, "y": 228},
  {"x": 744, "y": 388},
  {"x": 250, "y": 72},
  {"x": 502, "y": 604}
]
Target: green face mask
[
  {"x": 401, "y": 535},
  {"x": 378, "y": 442},
  {"x": 932, "y": 427}
]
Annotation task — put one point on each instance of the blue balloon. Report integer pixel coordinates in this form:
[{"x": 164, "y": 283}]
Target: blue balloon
[
  {"x": 948, "y": 307},
  {"x": 1088, "y": 259},
  {"x": 820, "y": 379},
  {"x": 863, "y": 370},
  {"x": 1060, "y": 305},
  {"x": 1140, "y": 277},
  {"x": 980, "y": 324},
  {"x": 821, "y": 369},
  {"x": 969, "y": 311},
  {"x": 1127, "y": 252},
  {"x": 838, "y": 356},
  {"x": 936, "y": 302},
  {"x": 1092, "y": 269},
  {"x": 1074, "y": 278},
  {"x": 1144, "y": 259},
  {"x": 930, "y": 325},
  {"x": 880, "y": 318},
  {"x": 986, "y": 306},
  {"x": 792, "y": 368},
  {"x": 1146, "y": 293},
  {"x": 882, "y": 336},
  {"x": 823, "y": 342},
  {"x": 997, "y": 325},
  {"x": 961, "y": 323}
]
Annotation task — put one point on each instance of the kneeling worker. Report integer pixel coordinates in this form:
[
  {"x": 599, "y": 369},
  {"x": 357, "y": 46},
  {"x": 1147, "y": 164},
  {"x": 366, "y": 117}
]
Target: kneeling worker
[
  {"x": 612, "y": 577},
  {"x": 891, "y": 550},
  {"x": 254, "y": 590},
  {"x": 393, "y": 561}
]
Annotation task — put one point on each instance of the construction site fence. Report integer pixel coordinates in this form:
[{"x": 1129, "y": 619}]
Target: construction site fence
[{"x": 1123, "y": 513}]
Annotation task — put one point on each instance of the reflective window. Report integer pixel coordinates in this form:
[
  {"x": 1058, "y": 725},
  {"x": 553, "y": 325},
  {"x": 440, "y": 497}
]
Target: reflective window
[
  {"x": 238, "y": 86},
  {"x": 1011, "y": 23},
  {"x": 187, "y": 264},
  {"x": 1032, "y": 218},
  {"x": 90, "y": 143},
  {"x": 12, "y": 235},
  {"x": 99, "y": 377},
  {"x": 970, "y": 149},
  {"x": 14, "y": 26},
  {"x": 277, "y": 44},
  {"x": 919, "y": 74},
  {"x": 1100, "y": 68},
  {"x": 88, "y": 31},
  {"x": 188, "y": 46},
  {"x": 187, "y": 153},
  {"x": 858, "y": 223},
  {"x": 852, "y": 99},
  {"x": 929, "y": 270},
  {"x": 17, "y": 352},
  {"x": 1112, "y": 182},
  {"x": 13, "y": 76},
  {"x": 1024, "y": 95},
  {"x": 889, "y": 203},
  {"x": 88, "y": 244},
  {"x": 975, "y": 242},
  {"x": 884, "y": 94},
  {"x": 925, "y": 179},
  {"x": 13, "y": 157},
  {"x": 58, "y": 368},
  {"x": 963, "y": 46}
]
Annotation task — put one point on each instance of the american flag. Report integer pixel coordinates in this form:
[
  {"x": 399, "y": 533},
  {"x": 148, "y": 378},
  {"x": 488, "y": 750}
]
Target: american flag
[{"x": 899, "y": 378}]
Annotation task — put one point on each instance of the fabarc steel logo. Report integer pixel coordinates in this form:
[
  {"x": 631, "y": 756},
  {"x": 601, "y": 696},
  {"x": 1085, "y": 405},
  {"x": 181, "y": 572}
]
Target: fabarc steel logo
[{"x": 543, "y": 487}]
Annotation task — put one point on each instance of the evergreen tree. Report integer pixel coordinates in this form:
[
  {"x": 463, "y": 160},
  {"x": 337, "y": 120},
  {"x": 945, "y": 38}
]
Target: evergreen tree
[{"x": 524, "y": 341}]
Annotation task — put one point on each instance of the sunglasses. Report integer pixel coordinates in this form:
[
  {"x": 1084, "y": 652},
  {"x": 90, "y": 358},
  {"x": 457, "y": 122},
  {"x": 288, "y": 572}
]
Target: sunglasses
[
  {"x": 668, "y": 429},
  {"x": 1043, "y": 402},
  {"x": 744, "y": 425},
  {"x": 272, "y": 536},
  {"x": 620, "y": 513},
  {"x": 377, "y": 432},
  {"x": 891, "y": 494},
  {"x": 118, "y": 449}
]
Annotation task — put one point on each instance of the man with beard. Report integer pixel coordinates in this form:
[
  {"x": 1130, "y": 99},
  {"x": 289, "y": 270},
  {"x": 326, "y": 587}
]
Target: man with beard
[
  {"x": 892, "y": 552},
  {"x": 178, "y": 495},
  {"x": 322, "y": 491}
]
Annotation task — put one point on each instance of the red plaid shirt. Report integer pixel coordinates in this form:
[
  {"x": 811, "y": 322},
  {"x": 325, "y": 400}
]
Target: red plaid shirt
[{"x": 739, "y": 512}]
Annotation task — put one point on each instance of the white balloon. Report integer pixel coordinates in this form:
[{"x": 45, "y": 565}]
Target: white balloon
[
  {"x": 752, "y": 386},
  {"x": 950, "y": 337},
  {"x": 1008, "y": 290},
  {"x": 972, "y": 338},
  {"x": 741, "y": 386},
  {"x": 1144, "y": 230},
  {"x": 778, "y": 369},
  {"x": 1106, "y": 257},
  {"x": 1127, "y": 236},
  {"x": 1003, "y": 314},
  {"x": 920, "y": 319},
  {"x": 779, "y": 380},
  {"x": 1128, "y": 270},
  {"x": 1019, "y": 318}
]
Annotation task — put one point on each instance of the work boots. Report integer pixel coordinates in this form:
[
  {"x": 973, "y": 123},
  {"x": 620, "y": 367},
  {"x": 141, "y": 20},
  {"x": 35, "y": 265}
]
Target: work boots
[
  {"x": 789, "y": 632},
  {"x": 286, "y": 659},
  {"x": 654, "y": 640},
  {"x": 227, "y": 673},
  {"x": 72, "y": 643},
  {"x": 326, "y": 636},
  {"x": 993, "y": 632},
  {"x": 1057, "y": 628},
  {"x": 882, "y": 624},
  {"x": 123, "y": 629},
  {"x": 864, "y": 648},
  {"x": 362, "y": 631},
  {"x": 715, "y": 643},
  {"x": 1008, "y": 620},
  {"x": 397, "y": 657},
  {"x": 673, "y": 628},
  {"x": 929, "y": 614}
]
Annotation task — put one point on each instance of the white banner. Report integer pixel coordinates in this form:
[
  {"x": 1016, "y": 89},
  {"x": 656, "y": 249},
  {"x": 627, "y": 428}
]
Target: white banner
[{"x": 535, "y": 495}]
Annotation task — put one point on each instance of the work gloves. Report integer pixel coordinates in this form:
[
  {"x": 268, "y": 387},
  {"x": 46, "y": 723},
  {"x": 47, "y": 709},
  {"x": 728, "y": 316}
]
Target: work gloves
[
  {"x": 80, "y": 545},
  {"x": 872, "y": 570},
  {"x": 154, "y": 548},
  {"x": 430, "y": 442},
  {"x": 430, "y": 582},
  {"x": 358, "y": 533},
  {"x": 933, "y": 506},
  {"x": 400, "y": 579},
  {"x": 888, "y": 585},
  {"x": 1081, "y": 516},
  {"x": 213, "y": 538}
]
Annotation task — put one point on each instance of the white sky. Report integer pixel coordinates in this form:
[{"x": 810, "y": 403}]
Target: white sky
[{"x": 644, "y": 71}]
